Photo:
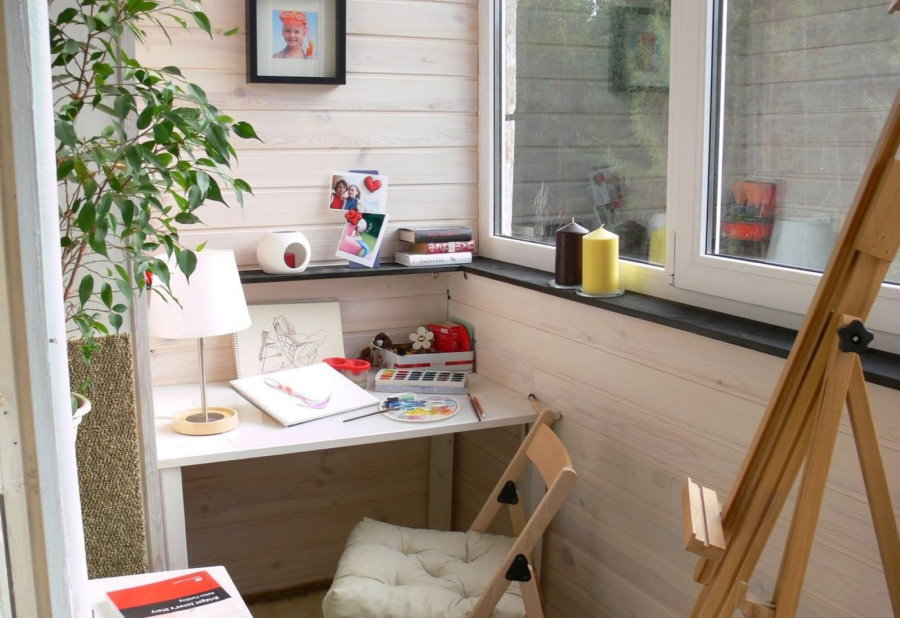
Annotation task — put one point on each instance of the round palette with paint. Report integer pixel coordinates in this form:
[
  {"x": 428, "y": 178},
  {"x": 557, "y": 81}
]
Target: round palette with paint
[{"x": 418, "y": 408}]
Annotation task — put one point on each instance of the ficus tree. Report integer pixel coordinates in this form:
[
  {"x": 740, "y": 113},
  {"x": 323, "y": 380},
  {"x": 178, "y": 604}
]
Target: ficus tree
[{"x": 139, "y": 151}]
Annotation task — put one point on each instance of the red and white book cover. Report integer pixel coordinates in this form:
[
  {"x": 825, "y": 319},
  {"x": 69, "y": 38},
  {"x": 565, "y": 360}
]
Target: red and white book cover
[
  {"x": 193, "y": 594},
  {"x": 452, "y": 246}
]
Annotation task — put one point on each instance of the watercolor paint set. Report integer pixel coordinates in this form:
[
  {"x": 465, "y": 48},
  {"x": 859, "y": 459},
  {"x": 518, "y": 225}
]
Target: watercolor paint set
[{"x": 421, "y": 380}]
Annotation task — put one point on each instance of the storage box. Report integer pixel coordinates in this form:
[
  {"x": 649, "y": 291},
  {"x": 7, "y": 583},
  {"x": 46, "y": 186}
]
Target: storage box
[{"x": 456, "y": 361}]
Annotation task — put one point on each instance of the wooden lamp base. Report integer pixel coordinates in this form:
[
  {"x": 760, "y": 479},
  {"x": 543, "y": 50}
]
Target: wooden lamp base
[{"x": 194, "y": 422}]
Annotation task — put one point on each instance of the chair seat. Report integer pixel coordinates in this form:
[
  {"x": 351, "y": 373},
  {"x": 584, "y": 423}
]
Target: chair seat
[{"x": 390, "y": 571}]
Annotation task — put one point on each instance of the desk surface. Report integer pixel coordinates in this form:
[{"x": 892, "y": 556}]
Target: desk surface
[{"x": 259, "y": 435}]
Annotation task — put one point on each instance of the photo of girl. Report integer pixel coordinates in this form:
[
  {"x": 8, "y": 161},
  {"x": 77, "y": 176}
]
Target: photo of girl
[
  {"x": 298, "y": 29},
  {"x": 338, "y": 193},
  {"x": 361, "y": 236},
  {"x": 352, "y": 201}
]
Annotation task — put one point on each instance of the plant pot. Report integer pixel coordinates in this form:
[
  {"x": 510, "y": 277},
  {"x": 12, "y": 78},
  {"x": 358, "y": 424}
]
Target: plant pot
[{"x": 84, "y": 406}]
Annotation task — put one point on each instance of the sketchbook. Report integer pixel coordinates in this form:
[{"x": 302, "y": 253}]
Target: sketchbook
[
  {"x": 302, "y": 394},
  {"x": 193, "y": 594}
]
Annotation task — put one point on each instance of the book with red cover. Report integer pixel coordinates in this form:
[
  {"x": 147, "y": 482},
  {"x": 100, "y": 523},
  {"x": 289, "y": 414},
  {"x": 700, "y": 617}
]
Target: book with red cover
[
  {"x": 192, "y": 594},
  {"x": 453, "y": 246},
  {"x": 435, "y": 234}
]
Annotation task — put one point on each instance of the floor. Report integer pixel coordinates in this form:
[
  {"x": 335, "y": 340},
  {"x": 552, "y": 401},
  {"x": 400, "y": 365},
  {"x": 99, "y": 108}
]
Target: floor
[{"x": 304, "y": 606}]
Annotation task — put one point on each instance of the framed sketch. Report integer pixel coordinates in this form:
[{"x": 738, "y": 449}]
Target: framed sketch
[
  {"x": 296, "y": 41},
  {"x": 285, "y": 335},
  {"x": 639, "y": 56}
]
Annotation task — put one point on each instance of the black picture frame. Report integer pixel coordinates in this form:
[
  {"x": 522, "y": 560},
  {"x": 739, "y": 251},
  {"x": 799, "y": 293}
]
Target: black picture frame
[
  {"x": 319, "y": 57},
  {"x": 637, "y": 60}
]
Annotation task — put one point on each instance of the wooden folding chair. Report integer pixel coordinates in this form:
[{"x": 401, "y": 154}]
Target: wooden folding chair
[{"x": 390, "y": 571}]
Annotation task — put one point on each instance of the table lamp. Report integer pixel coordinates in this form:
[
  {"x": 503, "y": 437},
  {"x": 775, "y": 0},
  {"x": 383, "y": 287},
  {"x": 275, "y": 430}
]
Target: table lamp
[{"x": 211, "y": 304}]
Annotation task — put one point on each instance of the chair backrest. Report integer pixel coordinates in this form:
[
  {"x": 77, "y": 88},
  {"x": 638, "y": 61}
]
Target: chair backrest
[{"x": 546, "y": 452}]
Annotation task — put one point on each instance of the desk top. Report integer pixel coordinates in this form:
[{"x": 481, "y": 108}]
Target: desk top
[{"x": 259, "y": 435}]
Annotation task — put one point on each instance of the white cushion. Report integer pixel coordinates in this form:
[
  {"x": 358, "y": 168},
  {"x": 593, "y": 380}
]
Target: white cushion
[{"x": 390, "y": 571}]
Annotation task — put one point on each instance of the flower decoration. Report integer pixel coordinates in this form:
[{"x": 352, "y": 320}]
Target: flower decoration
[
  {"x": 421, "y": 339},
  {"x": 353, "y": 216}
]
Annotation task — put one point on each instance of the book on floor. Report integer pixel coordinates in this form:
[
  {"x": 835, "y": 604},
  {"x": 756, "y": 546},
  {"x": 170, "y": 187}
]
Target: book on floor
[
  {"x": 190, "y": 595},
  {"x": 432, "y": 259},
  {"x": 435, "y": 234},
  {"x": 302, "y": 394}
]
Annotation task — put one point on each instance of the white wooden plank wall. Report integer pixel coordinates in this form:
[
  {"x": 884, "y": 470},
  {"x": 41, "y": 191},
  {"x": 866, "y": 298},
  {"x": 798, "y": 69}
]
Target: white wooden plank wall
[
  {"x": 645, "y": 406},
  {"x": 408, "y": 110}
]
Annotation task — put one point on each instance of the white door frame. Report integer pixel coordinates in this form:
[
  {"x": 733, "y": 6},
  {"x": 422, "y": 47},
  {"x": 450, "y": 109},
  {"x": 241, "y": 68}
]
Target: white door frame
[{"x": 45, "y": 571}]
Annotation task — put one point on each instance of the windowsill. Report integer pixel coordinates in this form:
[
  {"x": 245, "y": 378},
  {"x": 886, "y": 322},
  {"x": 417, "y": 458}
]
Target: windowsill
[{"x": 880, "y": 367}]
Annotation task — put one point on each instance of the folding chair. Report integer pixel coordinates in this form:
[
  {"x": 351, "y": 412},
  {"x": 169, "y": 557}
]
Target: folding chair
[{"x": 389, "y": 571}]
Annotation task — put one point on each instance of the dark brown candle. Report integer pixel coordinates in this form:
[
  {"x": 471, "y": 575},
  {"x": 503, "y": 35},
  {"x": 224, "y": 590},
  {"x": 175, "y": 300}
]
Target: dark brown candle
[{"x": 568, "y": 254}]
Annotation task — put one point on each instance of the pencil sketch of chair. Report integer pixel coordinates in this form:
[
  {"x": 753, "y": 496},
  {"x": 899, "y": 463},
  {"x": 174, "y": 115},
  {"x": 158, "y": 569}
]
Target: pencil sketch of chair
[
  {"x": 389, "y": 571},
  {"x": 281, "y": 346}
]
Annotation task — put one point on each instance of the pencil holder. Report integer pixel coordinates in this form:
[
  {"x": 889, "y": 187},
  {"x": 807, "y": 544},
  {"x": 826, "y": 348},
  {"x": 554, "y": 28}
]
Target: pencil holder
[{"x": 283, "y": 252}]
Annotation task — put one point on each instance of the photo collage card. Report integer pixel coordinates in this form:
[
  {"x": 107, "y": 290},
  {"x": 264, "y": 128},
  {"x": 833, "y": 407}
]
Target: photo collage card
[{"x": 361, "y": 196}]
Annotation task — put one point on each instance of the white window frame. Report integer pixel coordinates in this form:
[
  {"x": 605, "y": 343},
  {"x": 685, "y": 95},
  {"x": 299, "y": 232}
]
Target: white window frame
[{"x": 770, "y": 294}]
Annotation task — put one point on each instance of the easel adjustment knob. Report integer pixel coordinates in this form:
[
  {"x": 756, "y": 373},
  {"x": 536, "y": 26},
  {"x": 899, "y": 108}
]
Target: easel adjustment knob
[{"x": 854, "y": 337}]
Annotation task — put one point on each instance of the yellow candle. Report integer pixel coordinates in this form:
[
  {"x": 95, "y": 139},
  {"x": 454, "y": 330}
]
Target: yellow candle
[{"x": 600, "y": 262}]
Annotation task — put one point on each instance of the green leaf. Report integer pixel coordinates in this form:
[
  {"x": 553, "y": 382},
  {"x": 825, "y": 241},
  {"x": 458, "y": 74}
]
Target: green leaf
[
  {"x": 187, "y": 262},
  {"x": 202, "y": 179},
  {"x": 65, "y": 16},
  {"x": 214, "y": 192},
  {"x": 63, "y": 167},
  {"x": 171, "y": 70},
  {"x": 145, "y": 117},
  {"x": 203, "y": 21},
  {"x": 231, "y": 32},
  {"x": 115, "y": 321},
  {"x": 126, "y": 207},
  {"x": 187, "y": 218},
  {"x": 85, "y": 289},
  {"x": 245, "y": 130},
  {"x": 86, "y": 217},
  {"x": 123, "y": 105},
  {"x": 65, "y": 133},
  {"x": 242, "y": 185},
  {"x": 106, "y": 294}
]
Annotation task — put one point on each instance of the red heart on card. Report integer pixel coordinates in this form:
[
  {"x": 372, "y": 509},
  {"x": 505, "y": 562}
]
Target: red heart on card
[{"x": 371, "y": 184}]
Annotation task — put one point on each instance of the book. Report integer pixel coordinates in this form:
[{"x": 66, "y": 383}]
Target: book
[
  {"x": 192, "y": 594},
  {"x": 453, "y": 246},
  {"x": 302, "y": 394},
  {"x": 421, "y": 381},
  {"x": 435, "y": 234},
  {"x": 433, "y": 259}
]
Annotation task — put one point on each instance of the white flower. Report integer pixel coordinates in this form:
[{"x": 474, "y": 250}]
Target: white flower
[{"x": 421, "y": 339}]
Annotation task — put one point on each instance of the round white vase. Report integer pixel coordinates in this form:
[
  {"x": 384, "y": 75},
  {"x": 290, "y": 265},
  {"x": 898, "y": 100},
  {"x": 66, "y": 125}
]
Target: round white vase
[{"x": 277, "y": 251}]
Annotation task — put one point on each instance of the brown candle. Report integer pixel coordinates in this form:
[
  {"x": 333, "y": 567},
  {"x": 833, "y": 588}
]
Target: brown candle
[{"x": 568, "y": 254}]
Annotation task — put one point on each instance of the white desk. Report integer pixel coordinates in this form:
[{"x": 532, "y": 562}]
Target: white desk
[
  {"x": 259, "y": 435},
  {"x": 101, "y": 607}
]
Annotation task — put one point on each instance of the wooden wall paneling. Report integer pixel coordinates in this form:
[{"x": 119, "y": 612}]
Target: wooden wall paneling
[{"x": 481, "y": 457}]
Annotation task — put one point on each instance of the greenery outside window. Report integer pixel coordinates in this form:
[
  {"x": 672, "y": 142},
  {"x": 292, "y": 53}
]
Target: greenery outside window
[{"x": 730, "y": 139}]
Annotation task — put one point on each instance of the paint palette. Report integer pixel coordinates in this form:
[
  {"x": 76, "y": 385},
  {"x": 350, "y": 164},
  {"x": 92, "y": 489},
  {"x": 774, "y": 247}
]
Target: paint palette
[{"x": 421, "y": 381}]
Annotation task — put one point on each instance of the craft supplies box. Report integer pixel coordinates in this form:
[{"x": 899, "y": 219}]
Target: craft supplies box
[{"x": 454, "y": 361}]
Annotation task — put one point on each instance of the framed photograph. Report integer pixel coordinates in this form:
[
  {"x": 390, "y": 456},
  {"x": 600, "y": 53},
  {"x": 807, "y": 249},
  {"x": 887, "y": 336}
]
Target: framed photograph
[
  {"x": 285, "y": 335},
  {"x": 296, "y": 41},
  {"x": 361, "y": 236},
  {"x": 638, "y": 55},
  {"x": 365, "y": 191}
]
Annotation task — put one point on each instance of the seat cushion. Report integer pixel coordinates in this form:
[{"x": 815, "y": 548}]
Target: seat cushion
[{"x": 390, "y": 571}]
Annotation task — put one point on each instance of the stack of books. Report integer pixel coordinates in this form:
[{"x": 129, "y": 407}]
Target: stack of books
[{"x": 435, "y": 246}]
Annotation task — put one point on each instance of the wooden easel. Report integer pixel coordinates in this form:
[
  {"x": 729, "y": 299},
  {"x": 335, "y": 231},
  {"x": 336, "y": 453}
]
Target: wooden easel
[{"x": 801, "y": 421}]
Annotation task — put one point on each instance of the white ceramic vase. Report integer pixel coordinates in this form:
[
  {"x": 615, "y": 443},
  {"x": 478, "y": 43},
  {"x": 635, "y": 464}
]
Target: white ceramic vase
[{"x": 283, "y": 252}]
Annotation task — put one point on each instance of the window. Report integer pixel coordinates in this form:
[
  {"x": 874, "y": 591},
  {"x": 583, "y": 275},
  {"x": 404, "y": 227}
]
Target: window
[{"x": 723, "y": 145}]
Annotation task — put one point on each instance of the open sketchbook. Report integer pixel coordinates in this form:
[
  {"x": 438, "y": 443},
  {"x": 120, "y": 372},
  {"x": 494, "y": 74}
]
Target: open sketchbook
[{"x": 301, "y": 394}]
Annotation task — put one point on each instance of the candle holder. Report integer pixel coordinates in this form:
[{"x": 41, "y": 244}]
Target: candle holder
[{"x": 580, "y": 292}]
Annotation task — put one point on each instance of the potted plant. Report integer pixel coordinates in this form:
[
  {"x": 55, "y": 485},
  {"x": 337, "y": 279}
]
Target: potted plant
[{"x": 139, "y": 151}]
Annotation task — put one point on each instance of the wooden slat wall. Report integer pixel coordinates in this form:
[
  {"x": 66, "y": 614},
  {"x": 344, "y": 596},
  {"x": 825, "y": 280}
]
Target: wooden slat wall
[{"x": 645, "y": 406}]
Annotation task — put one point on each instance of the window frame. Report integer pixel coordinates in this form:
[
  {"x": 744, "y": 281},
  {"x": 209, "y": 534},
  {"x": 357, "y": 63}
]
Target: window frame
[{"x": 770, "y": 294}]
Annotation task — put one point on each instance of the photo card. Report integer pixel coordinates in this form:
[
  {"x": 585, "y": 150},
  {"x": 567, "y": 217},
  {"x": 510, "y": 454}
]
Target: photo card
[
  {"x": 361, "y": 236},
  {"x": 363, "y": 191}
]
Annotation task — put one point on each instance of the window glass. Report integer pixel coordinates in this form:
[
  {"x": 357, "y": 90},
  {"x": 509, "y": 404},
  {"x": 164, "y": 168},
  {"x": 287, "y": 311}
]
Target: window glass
[
  {"x": 805, "y": 88},
  {"x": 582, "y": 120}
]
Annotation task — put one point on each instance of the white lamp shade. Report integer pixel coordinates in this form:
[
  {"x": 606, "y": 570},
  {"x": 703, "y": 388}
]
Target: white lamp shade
[{"x": 212, "y": 303}]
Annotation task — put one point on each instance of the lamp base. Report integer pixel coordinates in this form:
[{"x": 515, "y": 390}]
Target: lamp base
[{"x": 194, "y": 422}]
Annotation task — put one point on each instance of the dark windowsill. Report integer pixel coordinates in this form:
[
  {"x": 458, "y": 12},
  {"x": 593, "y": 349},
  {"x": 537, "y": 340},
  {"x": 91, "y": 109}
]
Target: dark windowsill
[{"x": 880, "y": 367}]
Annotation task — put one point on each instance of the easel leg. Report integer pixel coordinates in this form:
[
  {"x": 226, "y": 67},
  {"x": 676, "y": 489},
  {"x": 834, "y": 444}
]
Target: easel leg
[
  {"x": 812, "y": 488},
  {"x": 876, "y": 483}
]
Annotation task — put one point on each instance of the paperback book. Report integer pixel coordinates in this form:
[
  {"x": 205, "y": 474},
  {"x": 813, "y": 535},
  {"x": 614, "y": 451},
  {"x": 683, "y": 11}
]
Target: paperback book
[
  {"x": 435, "y": 234},
  {"x": 453, "y": 246},
  {"x": 432, "y": 259},
  {"x": 194, "y": 594},
  {"x": 303, "y": 394}
]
